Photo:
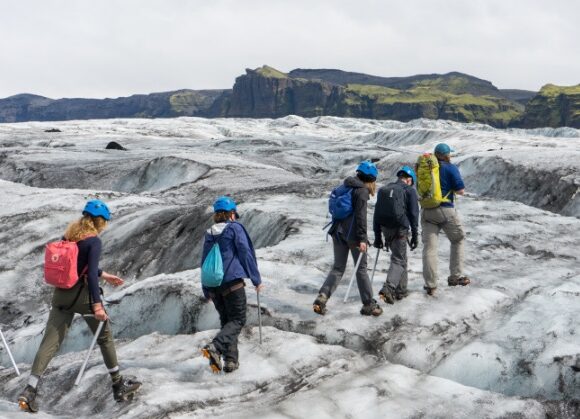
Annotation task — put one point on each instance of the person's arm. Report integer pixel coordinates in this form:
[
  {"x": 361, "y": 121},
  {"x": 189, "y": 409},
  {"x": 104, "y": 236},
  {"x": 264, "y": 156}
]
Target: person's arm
[
  {"x": 246, "y": 253},
  {"x": 93, "y": 280},
  {"x": 93, "y": 270},
  {"x": 458, "y": 187},
  {"x": 360, "y": 197},
  {"x": 413, "y": 210},
  {"x": 376, "y": 226}
]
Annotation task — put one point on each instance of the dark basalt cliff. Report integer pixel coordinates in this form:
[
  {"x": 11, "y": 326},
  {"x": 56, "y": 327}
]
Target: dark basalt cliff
[
  {"x": 266, "y": 92},
  {"x": 554, "y": 106}
]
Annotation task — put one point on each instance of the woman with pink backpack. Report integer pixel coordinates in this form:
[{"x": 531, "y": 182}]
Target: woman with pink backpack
[{"x": 78, "y": 292}]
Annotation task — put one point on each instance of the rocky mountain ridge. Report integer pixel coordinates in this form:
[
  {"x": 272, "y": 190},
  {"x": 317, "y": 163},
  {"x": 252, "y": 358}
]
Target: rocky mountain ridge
[{"x": 266, "y": 92}]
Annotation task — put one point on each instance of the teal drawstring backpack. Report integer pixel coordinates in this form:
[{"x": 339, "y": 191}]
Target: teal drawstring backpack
[{"x": 212, "y": 270}]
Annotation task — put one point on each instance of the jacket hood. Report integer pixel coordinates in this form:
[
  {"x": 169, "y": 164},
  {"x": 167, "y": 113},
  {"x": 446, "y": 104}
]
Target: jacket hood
[
  {"x": 217, "y": 229},
  {"x": 353, "y": 182}
]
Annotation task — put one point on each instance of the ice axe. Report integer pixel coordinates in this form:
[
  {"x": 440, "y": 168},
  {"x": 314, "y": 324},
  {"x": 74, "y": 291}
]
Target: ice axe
[
  {"x": 259, "y": 314},
  {"x": 375, "y": 266},
  {"x": 353, "y": 276},
  {"x": 9, "y": 353},
  {"x": 82, "y": 371}
]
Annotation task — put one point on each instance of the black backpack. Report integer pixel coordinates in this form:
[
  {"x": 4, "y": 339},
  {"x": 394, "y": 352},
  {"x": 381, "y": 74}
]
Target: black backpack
[{"x": 390, "y": 209}]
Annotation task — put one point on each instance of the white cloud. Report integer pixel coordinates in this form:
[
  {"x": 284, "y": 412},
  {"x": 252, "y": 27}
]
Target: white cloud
[{"x": 82, "y": 48}]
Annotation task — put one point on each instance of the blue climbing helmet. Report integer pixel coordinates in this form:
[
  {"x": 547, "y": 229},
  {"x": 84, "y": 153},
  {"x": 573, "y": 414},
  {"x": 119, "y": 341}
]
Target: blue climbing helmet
[
  {"x": 367, "y": 171},
  {"x": 443, "y": 149},
  {"x": 225, "y": 203},
  {"x": 409, "y": 172},
  {"x": 97, "y": 208}
]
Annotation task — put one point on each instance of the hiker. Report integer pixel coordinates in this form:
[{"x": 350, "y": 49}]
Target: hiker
[
  {"x": 397, "y": 212},
  {"x": 444, "y": 217},
  {"x": 350, "y": 234},
  {"x": 238, "y": 261},
  {"x": 83, "y": 298}
]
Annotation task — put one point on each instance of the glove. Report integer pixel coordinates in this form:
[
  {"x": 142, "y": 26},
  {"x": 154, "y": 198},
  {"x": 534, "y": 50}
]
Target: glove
[
  {"x": 414, "y": 241},
  {"x": 378, "y": 242}
]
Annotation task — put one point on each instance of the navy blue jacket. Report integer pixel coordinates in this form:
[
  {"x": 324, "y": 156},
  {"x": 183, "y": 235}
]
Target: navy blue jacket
[
  {"x": 237, "y": 251},
  {"x": 89, "y": 255},
  {"x": 353, "y": 229},
  {"x": 450, "y": 179}
]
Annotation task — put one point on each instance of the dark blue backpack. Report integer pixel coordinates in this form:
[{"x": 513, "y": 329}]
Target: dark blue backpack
[{"x": 340, "y": 203}]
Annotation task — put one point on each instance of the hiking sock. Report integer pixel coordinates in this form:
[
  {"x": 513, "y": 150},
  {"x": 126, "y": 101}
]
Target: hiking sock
[
  {"x": 115, "y": 374},
  {"x": 33, "y": 380}
]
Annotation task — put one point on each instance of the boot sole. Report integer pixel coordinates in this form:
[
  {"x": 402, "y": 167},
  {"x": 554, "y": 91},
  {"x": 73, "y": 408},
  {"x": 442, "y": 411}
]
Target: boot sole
[
  {"x": 128, "y": 397},
  {"x": 462, "y": 284},
  {"x": 212, "y": 364},
  {"x": 384, "y": 298}
]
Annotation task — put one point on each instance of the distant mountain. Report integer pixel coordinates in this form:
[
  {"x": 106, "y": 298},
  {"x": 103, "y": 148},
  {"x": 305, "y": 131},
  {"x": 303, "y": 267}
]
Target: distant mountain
[
  {"x": 266, "y": 92},
  {"x": 27, "y": 107},
  {"x": 454, "y": 82},
  {"x": 521, "y": 96},
  {"x": 553, "y": 106}
]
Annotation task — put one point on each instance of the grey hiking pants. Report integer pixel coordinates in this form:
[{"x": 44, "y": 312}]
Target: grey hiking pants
[
  {"x": 59, "y": 322},
  {"x": 341, "y": 249},
  {"x": 396, "y": 240},
  {"x": 432, "y": 222}
]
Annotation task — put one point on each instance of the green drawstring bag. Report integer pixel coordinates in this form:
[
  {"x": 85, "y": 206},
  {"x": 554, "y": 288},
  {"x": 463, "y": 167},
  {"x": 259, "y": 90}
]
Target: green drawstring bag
[{"x": 212, "y": 270}]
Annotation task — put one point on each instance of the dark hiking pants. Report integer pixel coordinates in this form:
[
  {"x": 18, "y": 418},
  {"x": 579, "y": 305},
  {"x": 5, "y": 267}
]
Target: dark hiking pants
[
  {"x": 231, "y": 307},
  {"x": 341, "y": 249},
  {"x": 59, "y": 322},
  {"x": 396, "y": 240}
]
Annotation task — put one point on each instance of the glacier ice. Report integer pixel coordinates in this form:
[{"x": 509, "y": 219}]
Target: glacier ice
[{"x": 506, "y": 346}]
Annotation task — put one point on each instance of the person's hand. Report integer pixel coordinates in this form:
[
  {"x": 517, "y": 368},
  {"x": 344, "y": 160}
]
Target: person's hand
[
  {"x": 378, "y": 243},
  {"x": 260, "y": 288},
  {"x": 414, "y": 241},
  {"x": 100, "y": 313},
  {"x": 363, "y": 247},
  {"x": 112, "y": 279}
]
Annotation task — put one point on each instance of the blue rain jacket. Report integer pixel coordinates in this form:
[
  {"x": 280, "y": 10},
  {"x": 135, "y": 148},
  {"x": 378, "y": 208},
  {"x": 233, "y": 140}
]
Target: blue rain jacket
[{"x": 237, "y": 250}]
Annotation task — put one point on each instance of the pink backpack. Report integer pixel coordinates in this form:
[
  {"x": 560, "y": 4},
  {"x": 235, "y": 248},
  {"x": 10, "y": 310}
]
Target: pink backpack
[{"x": 60, "y": 264}]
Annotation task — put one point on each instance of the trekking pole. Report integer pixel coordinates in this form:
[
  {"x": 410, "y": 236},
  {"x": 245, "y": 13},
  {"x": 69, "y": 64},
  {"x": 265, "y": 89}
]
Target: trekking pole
[
  {"x": 82, "y": 371},
  {"x": 259, "y": 315},
  {"x": 353, "y": 276},
  {"x": 9, "y": 353},
  {"x": 375, "y": 266}
]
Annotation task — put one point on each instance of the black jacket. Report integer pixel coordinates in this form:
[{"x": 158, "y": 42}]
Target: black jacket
[
  {"x": 411, "y": 218},
  {"x": 353, "y": 228}
]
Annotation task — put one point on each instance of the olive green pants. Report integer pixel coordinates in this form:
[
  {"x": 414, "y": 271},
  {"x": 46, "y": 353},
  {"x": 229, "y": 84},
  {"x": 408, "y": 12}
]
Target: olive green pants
[{"x": 60, "y": 320}]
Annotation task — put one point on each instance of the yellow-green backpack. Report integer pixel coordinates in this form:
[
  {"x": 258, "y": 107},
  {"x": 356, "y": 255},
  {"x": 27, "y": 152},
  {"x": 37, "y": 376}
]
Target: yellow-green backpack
[{"x": 428, "y": 184}]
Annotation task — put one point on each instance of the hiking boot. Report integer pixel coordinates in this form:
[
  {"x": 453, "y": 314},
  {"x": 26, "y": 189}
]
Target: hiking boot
[
  {"x": 462, "y": 280},
  {"x": 124, "y": 388},
  {"x": 386, "y": 294},
  {"x": 230, "y": 365},
  {"x": 371, "y": 309},
  {"x": 319, "y": 305},
  {"x": 400, "y": 294},
  {"x": 27, "y": 400},
  {"x": 210, "y": 352},
  {"x": 430, "y": 291}
]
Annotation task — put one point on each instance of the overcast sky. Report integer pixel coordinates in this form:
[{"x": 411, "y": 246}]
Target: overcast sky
[{"x": 111, "y": 48}]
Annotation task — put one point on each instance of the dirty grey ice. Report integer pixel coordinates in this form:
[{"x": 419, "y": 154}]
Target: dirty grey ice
[{"x": 507, "y": 346}]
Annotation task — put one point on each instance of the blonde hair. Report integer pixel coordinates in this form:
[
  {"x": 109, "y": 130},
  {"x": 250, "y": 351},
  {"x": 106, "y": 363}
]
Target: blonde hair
[
  {"x": 222, "y": 216},
  {"x": 372, "y": 187},
  {"x": 83, "y": 227}
]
